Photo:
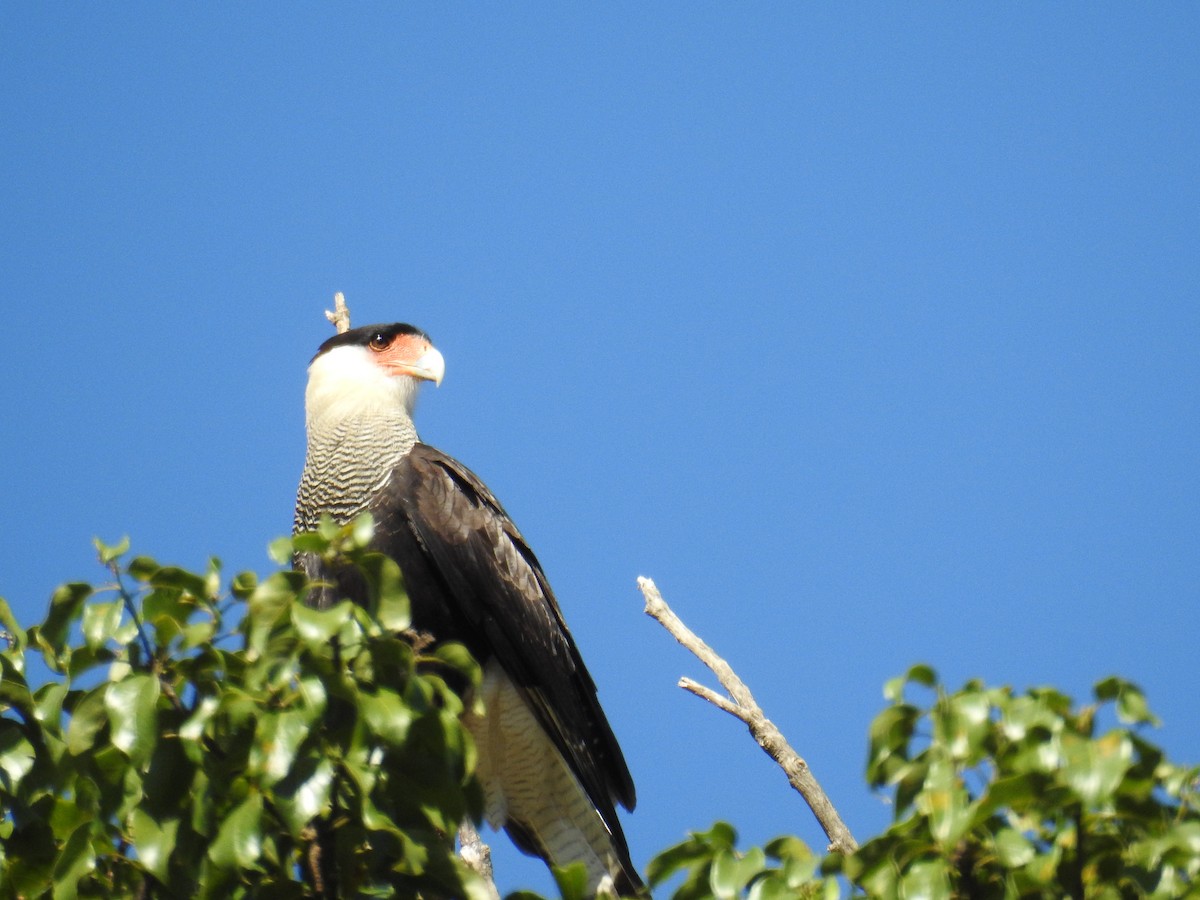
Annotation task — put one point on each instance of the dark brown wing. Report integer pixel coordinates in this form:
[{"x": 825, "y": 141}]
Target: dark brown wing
[{"x": 471, "y": 577}]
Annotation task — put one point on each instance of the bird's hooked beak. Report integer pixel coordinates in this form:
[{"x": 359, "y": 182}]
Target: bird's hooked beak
[
  {"x": 430, "y": 365},
  {"x": 415, "y": 357}
]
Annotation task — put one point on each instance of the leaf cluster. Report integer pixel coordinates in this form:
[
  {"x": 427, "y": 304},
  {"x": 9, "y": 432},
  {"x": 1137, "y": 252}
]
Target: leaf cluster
[
  {"x": 711, "y": 866},
  {"x": 198, "y": 739},
  {"x": 996, "y": 795},
  {"x": 1006, "y": 795}
]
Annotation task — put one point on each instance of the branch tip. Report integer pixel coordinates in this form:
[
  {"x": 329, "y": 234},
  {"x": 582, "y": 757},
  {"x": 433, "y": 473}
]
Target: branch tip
[
  {"x": 340, "y": 317},
  {"x": 478, "y": 857}
]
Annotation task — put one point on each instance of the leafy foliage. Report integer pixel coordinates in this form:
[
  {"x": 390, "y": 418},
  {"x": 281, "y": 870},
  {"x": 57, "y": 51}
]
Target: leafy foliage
[
  {"x": 712, "y": 867},
  {"x": 198, "y": 739},
  {"x": 996, "y": 795},
  {"x": 321, "y": 755},
  {"x": 1004, "y": 795}
]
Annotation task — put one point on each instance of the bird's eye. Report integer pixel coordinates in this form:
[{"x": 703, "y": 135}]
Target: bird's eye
[{"x": 378, "y": 341}]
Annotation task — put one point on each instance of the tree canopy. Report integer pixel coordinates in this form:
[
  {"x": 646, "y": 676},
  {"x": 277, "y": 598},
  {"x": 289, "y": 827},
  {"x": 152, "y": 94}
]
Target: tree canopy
[{"x": 174, "y": 734}]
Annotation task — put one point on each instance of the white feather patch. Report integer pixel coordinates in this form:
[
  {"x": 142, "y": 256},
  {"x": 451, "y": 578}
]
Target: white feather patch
[{"x": 526, "y": 780}]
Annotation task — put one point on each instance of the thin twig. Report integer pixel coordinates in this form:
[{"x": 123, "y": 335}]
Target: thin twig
[
  {"x": 151, "y": 662},
  {"x": 311, "y": 860},
  {"x": 340, "y": 317},
  {"x": 168, "y": 690},
  {"x": 127, "y": 599},
  {"x": 478, "y": 856},
  {"x": 707, "y": 693},
  {"x": 743, "y": 707}
]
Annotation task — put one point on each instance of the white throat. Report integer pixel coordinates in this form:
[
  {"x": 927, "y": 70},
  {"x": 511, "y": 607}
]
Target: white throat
[
  {"x": 345, "y": 383},
  {"x": 359, "y": 423}
]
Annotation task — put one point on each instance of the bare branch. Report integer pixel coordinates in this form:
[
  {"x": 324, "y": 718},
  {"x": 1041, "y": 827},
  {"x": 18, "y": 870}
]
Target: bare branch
[
  {"x": 478, "y": 856},
  {"x": 707, "y": 693},
  {"x": 340, "y": 317},
  {"x": 743, "y": 707}
]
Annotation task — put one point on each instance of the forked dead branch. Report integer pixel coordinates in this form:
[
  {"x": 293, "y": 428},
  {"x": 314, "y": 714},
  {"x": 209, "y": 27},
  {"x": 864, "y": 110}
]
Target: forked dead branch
[{"x": 740, "y": 703}]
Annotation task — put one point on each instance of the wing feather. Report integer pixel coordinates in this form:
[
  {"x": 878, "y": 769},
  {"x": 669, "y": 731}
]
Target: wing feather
[{"x": 472, "y": 577}]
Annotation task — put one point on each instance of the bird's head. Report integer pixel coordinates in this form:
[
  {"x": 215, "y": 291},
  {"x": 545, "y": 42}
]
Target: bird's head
[{"x": 377, "y": 368}]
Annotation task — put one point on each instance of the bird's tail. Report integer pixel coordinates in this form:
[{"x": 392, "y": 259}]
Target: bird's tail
[{"x": 530, "y": 792}]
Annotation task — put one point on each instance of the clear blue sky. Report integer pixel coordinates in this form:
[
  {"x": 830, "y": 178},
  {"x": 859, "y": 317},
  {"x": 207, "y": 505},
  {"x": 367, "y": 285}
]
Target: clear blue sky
[{"x": 871, "y": 332}]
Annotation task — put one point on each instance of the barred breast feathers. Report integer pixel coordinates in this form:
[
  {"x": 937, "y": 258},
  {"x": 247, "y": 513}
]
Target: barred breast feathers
[{"x": 346, "y": 463}]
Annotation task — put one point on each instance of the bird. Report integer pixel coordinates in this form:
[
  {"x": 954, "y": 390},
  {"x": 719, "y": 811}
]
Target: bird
[{"x": 549, "y": 764}]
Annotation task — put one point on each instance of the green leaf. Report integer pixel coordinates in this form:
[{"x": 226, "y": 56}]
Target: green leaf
[
  {"x": 193, "y": 729},
  {"x": 119, "y": 781},
  {"x": 386, "y": 715},
  {"x": 908, "y": 780},
  {"x": 304, "y": 793},
  {"x": 966, "y": 724},
  {"x": 944, "y": 800},
  {"x": 48, "y": 706},
  {"x": 1186, "y": 836},
  {"x": 181, "y": 580},
  {"x": 142, "y": 568},
  {"x": 12, "y": 641},
  {"x": 327, "y": 528},
  {"x": 571, "y": 880},
  {"x": 731, "y": 873},
  {"x": 1132, "y": 708},
  {"x": 14, "y": 691},
  {"x": 280, "y": 551},
  {"x": 239, "y": 840},
  {"x": 1025, "y": 714},
  {"x": 1094, "y": 769},
  {"x": 82, "y": 659},
  {"x": 100, "y": 622},
  {"x": 316, "y": 627},
  {"x": 1019, "y": 792},
  {"x": 88, "y": 718},
  {"x": 17, "y": 755},
  {"x": 66, "y": 604},
  {"x": 75, "y": 861},
  {"x": 132, "y": 706},
  {"x": 243, "y": 585},
  {"x": 460, "y": 659},
  {"x": 280, "y": 736},
  {"x": 270, "y": 600},
  {"x": 889, "y": 735},
  {"x": 313, "y": 697},
  {"x": 198, "y": 633},
  {"x": 893, "y": 689},
  {"x": 82, "y": 808},
  {"x": 155, "y": 841},
  {"x": 362, "y": 530},
  {"x": 109, "y": 553},
  {"x": 926, "y": 879},
  {"x": 307, "y": 542},
  {"x": 167, "y": 610},
  {"x": 721, "y": 836},
  {"x": 773, "y": 887},
  {"x": 789, "y": 848},
  {"x": 1013, "y": 848},
  {"x": 389, "y": 599},
  {"x": 673, "y": 859},
  {"x": 212, "y": 580}
]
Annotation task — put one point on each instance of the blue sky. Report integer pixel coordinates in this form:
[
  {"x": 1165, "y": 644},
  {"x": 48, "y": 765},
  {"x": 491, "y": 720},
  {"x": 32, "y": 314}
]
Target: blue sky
[{"x": 870, "y": 332}]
